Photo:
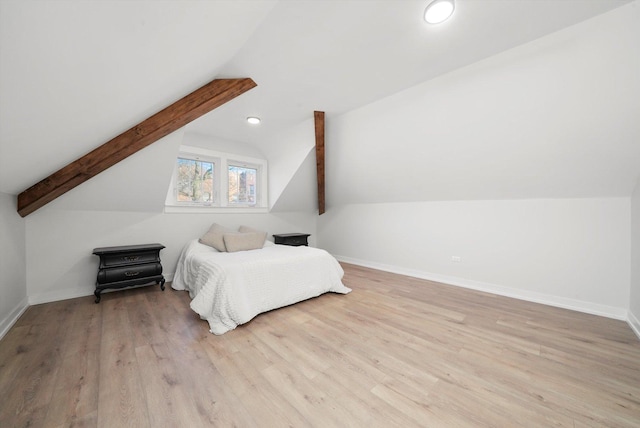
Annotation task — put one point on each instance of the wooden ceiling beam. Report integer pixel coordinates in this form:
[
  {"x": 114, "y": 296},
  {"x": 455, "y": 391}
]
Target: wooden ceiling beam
[
  {"x": 318, "y": 117},
  {"x": 199, "y": 102}
]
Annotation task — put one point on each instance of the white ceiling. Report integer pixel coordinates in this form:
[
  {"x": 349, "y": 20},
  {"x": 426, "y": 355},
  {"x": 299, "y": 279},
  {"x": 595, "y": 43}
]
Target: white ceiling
[
  {"x": 74, "y": 74},
  {"x": 334, "y": 56}
]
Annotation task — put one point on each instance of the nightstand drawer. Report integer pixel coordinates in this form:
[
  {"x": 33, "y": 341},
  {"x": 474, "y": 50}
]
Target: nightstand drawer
[
  {"x": 298, "y": 240},
  {"x": 125, "y": 273},
  {"x": 128, "y": 259},
  {"x": 294, "y": 239}
]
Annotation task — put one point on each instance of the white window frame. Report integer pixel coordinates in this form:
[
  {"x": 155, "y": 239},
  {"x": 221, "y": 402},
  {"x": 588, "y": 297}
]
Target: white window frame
[
  {"x": 259, "y": 185},
  {"x": 220, "y": 201}
]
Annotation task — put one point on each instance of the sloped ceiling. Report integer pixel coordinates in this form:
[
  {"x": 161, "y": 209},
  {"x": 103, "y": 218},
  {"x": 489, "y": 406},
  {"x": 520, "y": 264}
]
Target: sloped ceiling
[
  {"x": 558, "y": 117},
  {"x": 75, "y": 73}
]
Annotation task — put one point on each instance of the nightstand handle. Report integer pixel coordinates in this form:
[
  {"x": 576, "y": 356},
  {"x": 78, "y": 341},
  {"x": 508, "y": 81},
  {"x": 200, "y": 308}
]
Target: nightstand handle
[
  {"x": 130, "y": 258},
  {"x": 131, "y": 273}
]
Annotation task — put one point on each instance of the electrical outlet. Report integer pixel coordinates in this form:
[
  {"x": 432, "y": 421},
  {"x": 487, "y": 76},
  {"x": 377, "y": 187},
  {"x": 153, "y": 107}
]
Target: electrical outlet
[{"x": 456, "y": 259}]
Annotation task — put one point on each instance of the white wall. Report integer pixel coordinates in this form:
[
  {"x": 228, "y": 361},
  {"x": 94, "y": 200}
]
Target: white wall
[
  {"x": 634, "y": 305},
  {"x": 125, "y": 205},
  {"x": 287, "y": 152},
  {"x": 13, "y": 284},
  {"x": 571, "y": 253},
  {"x": 301, "y": 194},
  {"x": 60, "y": 242},
  {"x": 194, "y": 139},
  {"x": 521, "y": 164},
  {"x": 547, "y": 113}
]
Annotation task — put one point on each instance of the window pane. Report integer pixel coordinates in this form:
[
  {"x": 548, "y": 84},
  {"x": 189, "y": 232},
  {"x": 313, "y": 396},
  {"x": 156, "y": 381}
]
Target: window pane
[
  {"x": 242, "y": 185},
  {"x": 195, "y": 181}
]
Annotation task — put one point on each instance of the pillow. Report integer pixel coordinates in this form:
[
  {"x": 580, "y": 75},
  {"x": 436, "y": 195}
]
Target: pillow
[
  {"x": 215, "y": 237},
  {"x": 236, "y": 241},
  {"x": 246, "y": 229}
]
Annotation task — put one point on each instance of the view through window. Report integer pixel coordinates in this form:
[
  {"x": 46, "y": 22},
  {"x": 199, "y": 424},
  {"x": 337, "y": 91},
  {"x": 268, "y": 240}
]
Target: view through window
[
  {"x": 206, "y": 180},
  {"x": 242, "y": 185},
  {"x": 194, "y": 181}
]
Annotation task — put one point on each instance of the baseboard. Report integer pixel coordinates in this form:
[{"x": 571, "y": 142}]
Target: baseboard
[
  {"x": 72, "y": 293},
  {"x": 634, "y": 324},
  {"x": 545, "y": 299},
  {"x": 58, "y": 295},
  {"x": 10, "y": 320}
]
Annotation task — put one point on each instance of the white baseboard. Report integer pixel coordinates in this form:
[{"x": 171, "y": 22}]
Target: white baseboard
[
  {"x": 530, "y": 296},
  {"x": 634, "y": 324},
  {"x": 72, "y": 293},
  {"x": 56, "y": 296},
  {"x": 10, "y": 320}
]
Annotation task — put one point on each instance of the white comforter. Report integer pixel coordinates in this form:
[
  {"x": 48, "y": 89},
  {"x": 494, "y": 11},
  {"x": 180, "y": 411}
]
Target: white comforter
[{"x": 229, "y": 289}]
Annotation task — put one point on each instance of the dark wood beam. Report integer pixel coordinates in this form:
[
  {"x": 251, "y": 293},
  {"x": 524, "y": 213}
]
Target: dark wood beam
[
  {"x": 318, "y": 117},
  {"x": 201, "y": 101}
]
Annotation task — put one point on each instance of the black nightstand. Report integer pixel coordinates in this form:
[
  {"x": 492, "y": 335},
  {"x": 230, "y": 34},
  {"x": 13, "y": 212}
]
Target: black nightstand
[
  {"x": 127, "y": 266},
  {"x": 293, "y": 239}
]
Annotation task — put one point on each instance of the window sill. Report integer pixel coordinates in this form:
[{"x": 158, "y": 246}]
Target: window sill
[{"x": 169, "y": 209}]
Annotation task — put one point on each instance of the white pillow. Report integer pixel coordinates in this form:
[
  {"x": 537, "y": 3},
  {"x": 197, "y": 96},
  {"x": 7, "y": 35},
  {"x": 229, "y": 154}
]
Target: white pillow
[
  {"x": 215, "y": 237},
  {"x": 236, "y": 241}
]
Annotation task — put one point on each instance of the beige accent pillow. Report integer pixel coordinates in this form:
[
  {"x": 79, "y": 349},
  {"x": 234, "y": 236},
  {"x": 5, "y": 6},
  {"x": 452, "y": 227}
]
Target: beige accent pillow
[
  {"x": 236, "y": 241},
  {"x": 246, "y": 229},
  {"x": 215, "y": 237}
]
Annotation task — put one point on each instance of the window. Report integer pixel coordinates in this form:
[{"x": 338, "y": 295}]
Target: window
[
  {"x": 242, "y": 185},
  {"x": 194, "y": 181},
  {"x": 200, "y": 183}
]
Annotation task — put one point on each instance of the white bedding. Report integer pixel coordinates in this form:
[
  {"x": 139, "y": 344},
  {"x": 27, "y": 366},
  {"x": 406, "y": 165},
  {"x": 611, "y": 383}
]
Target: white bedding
[{"x": 229, "y": 289}]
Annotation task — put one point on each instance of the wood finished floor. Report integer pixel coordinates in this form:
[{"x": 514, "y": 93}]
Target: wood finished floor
[{"x": 397, "y": 351}]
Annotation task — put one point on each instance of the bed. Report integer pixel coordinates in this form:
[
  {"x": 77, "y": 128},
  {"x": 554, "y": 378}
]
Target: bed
[{"x": 230, "y": 288}]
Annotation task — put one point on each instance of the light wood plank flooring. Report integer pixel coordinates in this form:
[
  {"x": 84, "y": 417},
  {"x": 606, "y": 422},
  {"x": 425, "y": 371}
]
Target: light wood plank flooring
[{"x": 397, "y": 351}]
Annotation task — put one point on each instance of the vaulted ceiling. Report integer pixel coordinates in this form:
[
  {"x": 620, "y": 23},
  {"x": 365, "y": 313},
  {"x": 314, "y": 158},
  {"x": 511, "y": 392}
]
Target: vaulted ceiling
[{"x": 74, "y": 74}]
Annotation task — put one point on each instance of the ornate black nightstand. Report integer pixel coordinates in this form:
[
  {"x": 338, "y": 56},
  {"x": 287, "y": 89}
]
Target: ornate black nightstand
[
  {"x": 127, "y": 266},
  {"x": 294, "y": 239}
]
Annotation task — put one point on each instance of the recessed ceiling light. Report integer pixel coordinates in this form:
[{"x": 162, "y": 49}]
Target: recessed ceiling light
[
  {"x": 438, "y": 11},
  {"x": 253, "y": 120}
]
